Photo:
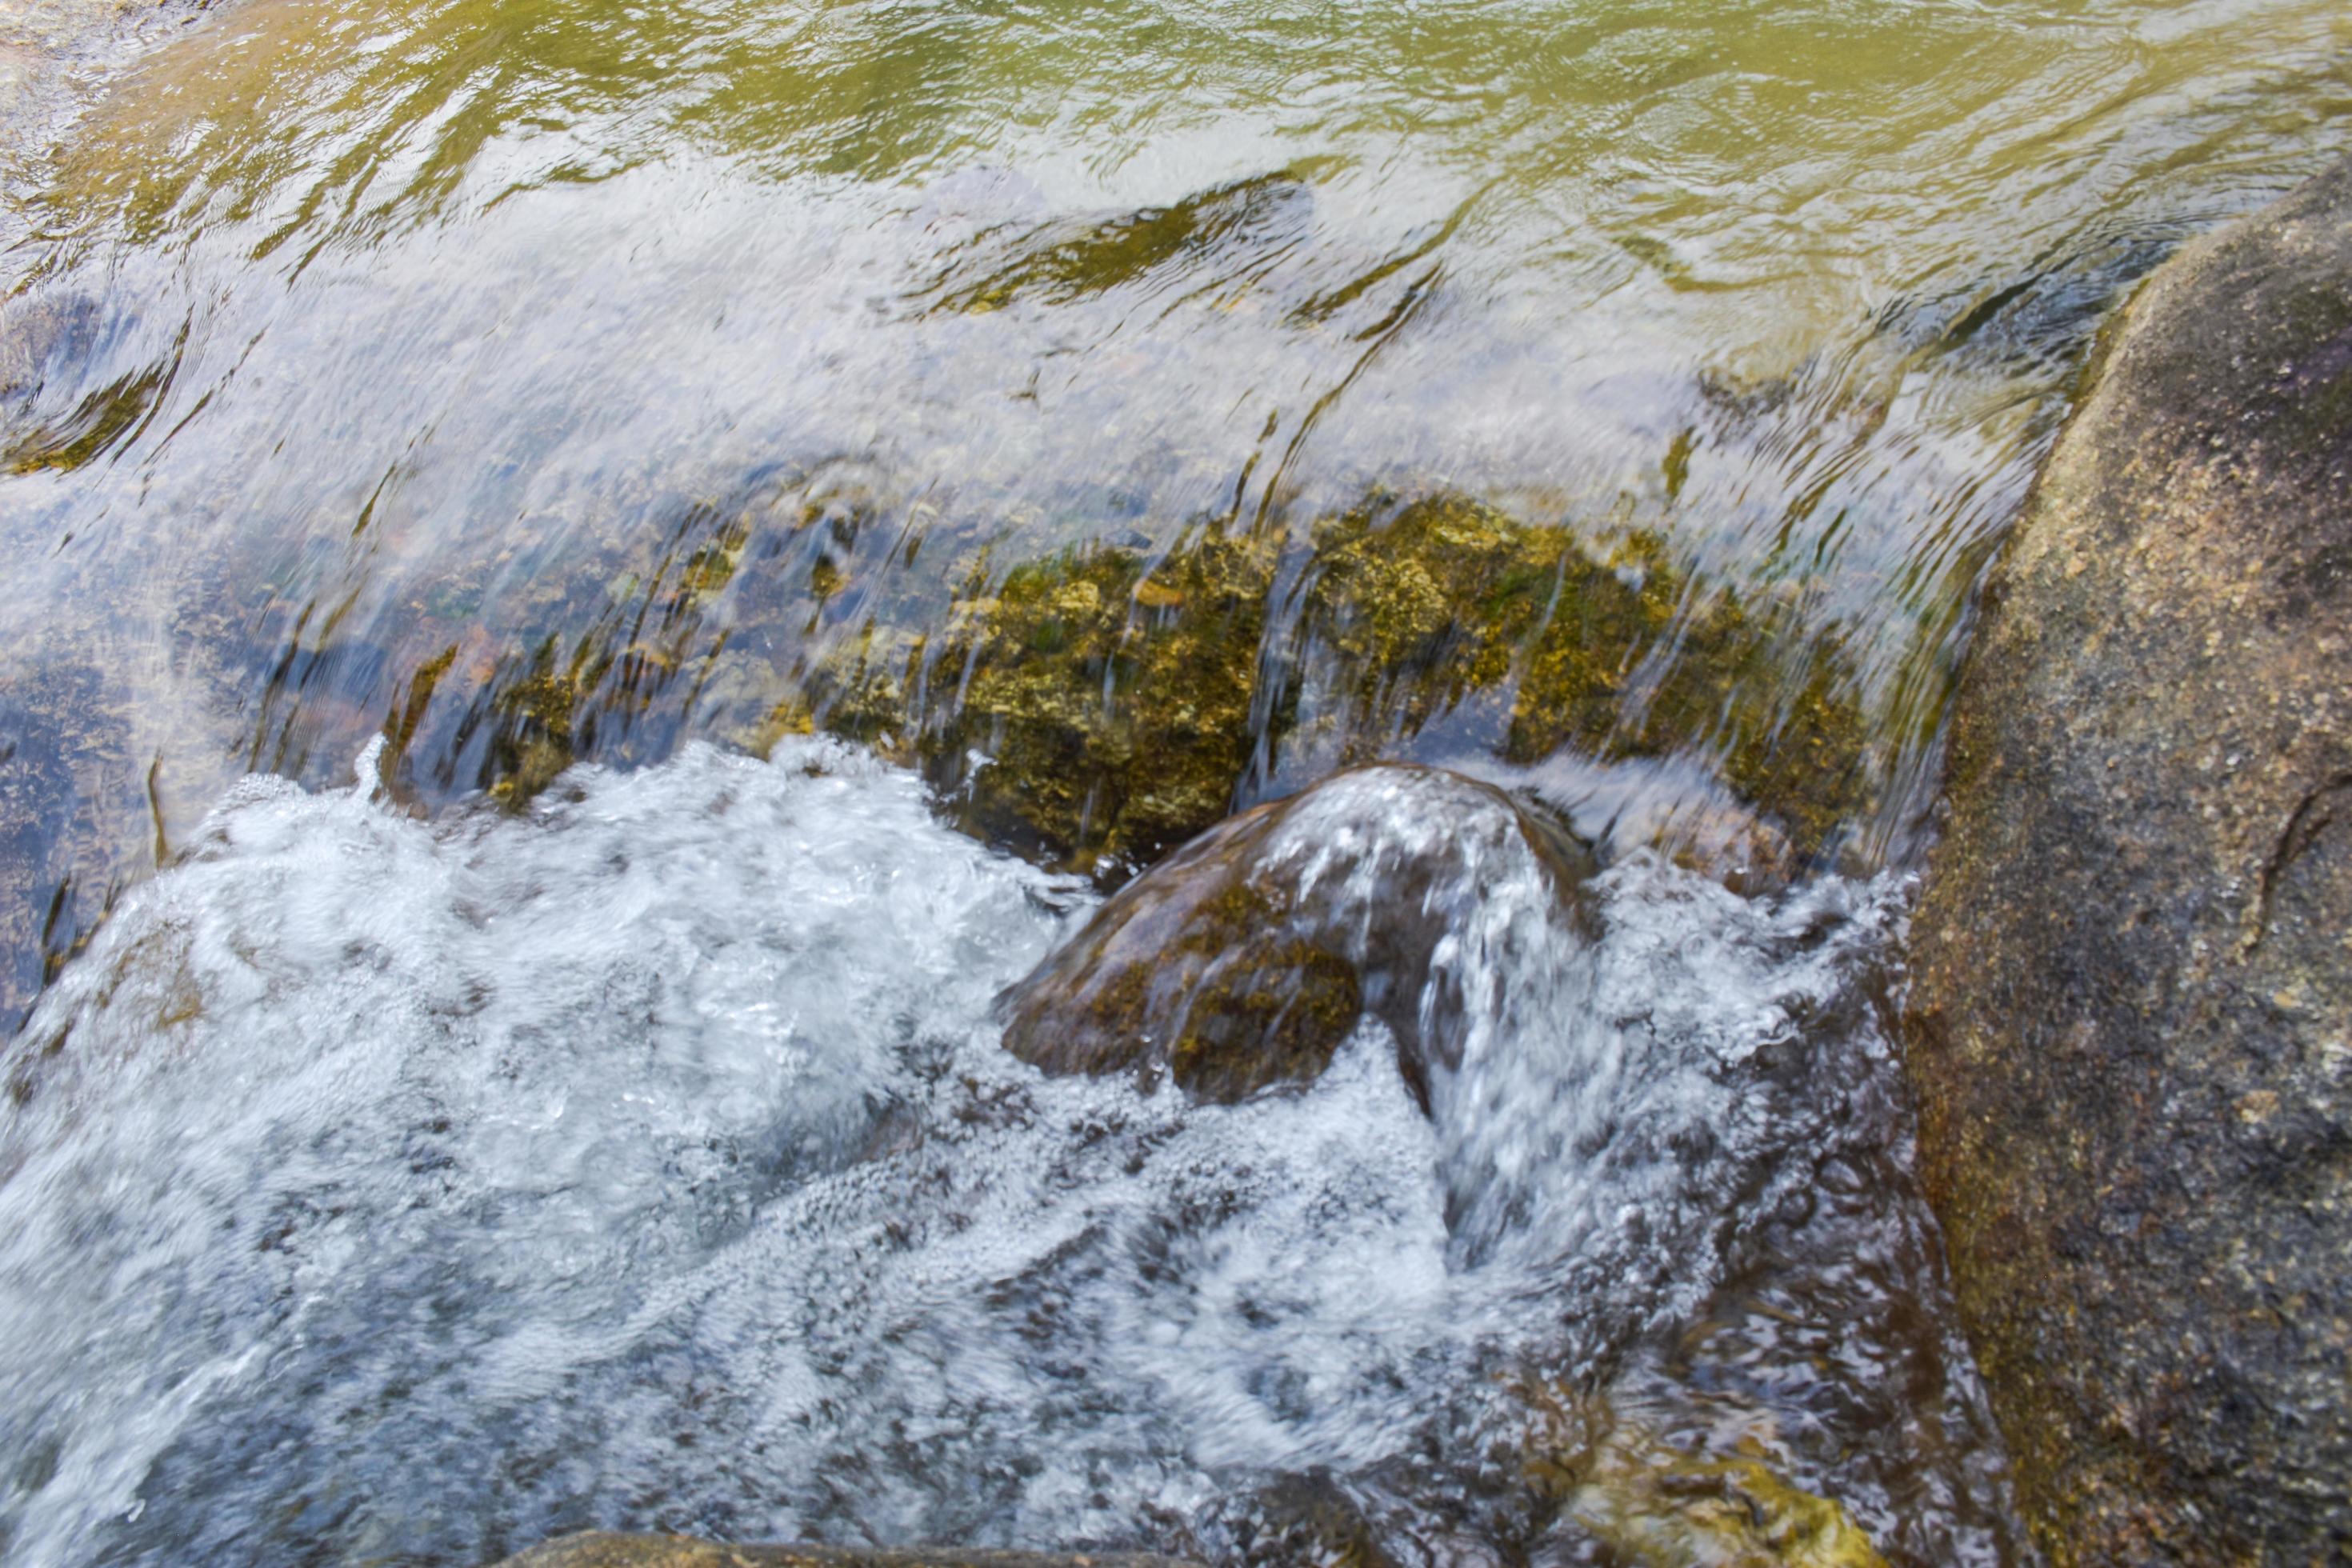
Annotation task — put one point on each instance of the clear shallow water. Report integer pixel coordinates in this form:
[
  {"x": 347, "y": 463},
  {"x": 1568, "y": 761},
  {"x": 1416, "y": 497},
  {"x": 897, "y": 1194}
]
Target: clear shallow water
[{"x": 391, "y": 1191}]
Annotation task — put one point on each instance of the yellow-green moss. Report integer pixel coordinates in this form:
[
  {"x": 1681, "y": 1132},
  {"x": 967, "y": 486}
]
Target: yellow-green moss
[
  {"x": 546, "y": 713},
  {"x": 1118, "y": 712},
  {"x": 1615, "y": 652},
  {"x": 1117, "y": 697},
  {"x": 1427, "y": 605},
  {"x": 1669, "y": 1506},
  {"x": 1116, "y": 709}
]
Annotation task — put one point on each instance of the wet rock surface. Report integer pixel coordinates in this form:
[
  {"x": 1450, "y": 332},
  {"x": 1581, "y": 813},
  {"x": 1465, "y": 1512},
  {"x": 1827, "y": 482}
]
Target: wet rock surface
[
  {"x": 1665, "y": 1507},
  {"x": 1247, "y": 958},
  {"x": 2132, "y": 989},
  {"x": 598, "y": 1549}
]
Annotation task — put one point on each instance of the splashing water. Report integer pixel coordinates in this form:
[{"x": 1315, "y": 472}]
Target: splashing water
[{"x": 402, "y": 1191}]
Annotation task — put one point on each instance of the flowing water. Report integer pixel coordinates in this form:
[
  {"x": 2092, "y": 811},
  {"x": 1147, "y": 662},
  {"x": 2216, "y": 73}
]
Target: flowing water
[
  {"x": 392, "y": 1191},
  {"x": 1036, "y": 431}
]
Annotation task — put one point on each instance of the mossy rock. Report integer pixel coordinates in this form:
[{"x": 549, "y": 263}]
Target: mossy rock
[
  {"x": 1443, "y": 600},
  {"x": 599, "y": 1549},
  {"x": 1113, "y": 697},
  {"x": 1246, "y": 958},
  {"x": 1095, "y": 706},
  {"x": 1664, "y": 1506},
  {"x": 2132, "y": 984},
  {"x": 1125, "y": 701}
]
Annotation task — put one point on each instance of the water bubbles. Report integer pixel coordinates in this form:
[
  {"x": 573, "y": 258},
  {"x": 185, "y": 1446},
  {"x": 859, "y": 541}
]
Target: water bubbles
[{"x": 424, "y": 1187}]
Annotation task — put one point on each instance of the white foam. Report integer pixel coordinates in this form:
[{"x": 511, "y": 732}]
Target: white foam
[{"x": 652, "y": 1160}]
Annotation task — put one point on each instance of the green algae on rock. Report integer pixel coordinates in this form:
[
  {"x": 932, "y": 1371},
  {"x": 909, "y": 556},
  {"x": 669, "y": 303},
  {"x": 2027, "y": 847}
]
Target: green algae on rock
[
  {"x": 1119, "y": 701},
  {"x": 1662, "y": 1506},
  {"x": 1246, "y": 958},
  {"x": 1113, "y": 699},
  {"x": 600, "y": 1549},
  {"x": 2132, "y": 993},
  {"x": 1092, "y": 706},
  {"x": 1612, "y": 652}
]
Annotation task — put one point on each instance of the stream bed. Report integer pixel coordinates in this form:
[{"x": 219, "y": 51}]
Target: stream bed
[{"x": 592, "y": 580}]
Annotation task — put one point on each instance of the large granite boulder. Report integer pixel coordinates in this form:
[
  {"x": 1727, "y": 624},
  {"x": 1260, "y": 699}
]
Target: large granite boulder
[
  {"x": 598, "y": 1549},
  {"x": 2130, "y": 1020},
  {"x": 1247, "y": 957}
]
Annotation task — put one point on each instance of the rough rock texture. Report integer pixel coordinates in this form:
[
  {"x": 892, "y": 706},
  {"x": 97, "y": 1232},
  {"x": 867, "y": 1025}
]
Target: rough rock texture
[
  {"x": 2131, "y": 1017},
  {"x": 595, "y": 1548},
  {"x": 1248, "y": 956}
]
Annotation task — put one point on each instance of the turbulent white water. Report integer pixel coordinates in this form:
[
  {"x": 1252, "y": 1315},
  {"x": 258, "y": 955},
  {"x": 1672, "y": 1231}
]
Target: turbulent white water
[{"x": 377, "y": 1189}]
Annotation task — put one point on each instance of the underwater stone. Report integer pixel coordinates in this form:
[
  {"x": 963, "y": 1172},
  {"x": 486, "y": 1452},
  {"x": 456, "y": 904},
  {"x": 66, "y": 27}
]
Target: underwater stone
[
  {"x": 599, "y": 1549},
  {"x": 1116, "y": 707},
  {"x": 1247, "y": 957},
  {"x": 1311, "y": 1518},
  {"x": 1664, "y": 1506},
  {"x": 60, "y": 729},
  {"x": 1123, "y": 702},
  {"x": 2132, "y": 992}
]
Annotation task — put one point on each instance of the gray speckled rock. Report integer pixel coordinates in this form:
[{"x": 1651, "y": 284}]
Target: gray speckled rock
[
  {"x": 596, "y": 1549},
  {"x": 2130, "y": 1023}
]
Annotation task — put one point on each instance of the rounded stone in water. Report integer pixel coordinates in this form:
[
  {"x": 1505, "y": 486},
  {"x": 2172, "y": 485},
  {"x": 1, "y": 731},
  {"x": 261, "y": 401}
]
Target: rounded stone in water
[{"x": 1248, "y": 957}]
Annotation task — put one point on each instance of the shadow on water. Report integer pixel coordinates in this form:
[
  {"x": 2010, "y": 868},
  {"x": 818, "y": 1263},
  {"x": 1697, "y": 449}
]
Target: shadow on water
[{"x": 1118, "y": 417}]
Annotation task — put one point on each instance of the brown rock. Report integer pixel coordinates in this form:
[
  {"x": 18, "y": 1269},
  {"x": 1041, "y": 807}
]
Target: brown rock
[
  {"x": 1247, "y": 957},
  {"x": 2131, "y": 1024}
]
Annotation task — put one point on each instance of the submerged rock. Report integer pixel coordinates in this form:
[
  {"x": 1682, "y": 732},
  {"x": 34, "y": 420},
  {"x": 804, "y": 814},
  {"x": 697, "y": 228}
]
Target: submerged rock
[
  {"x": 1302, "y": 1517},
  {"x": 62, "y": 743},
  {"x": 1060, "y": 260},
  {"x": 599, "y": 1549},
  {"x": 1101, "y": 706},
  {"x": 1115, "y": 705},
  {"x": 1655, "y": 1503},
  {"x": 1605, "y": 652},
  {"x": 1247, "y": 957},
  {"x": 2132, "y": 998}
]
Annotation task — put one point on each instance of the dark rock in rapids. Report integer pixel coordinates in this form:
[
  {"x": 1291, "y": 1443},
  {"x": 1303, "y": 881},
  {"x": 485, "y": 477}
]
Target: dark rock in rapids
[
  {"x": 2131, "y": 1024},
  {"x": 596, "y": 1549},
  {"x": 1248, "y": 956}
]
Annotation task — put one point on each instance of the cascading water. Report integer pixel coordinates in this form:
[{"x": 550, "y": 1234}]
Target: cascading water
[
  {"x": 1114, "y": 417},
  {"x": 401, "y": 1191}
]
